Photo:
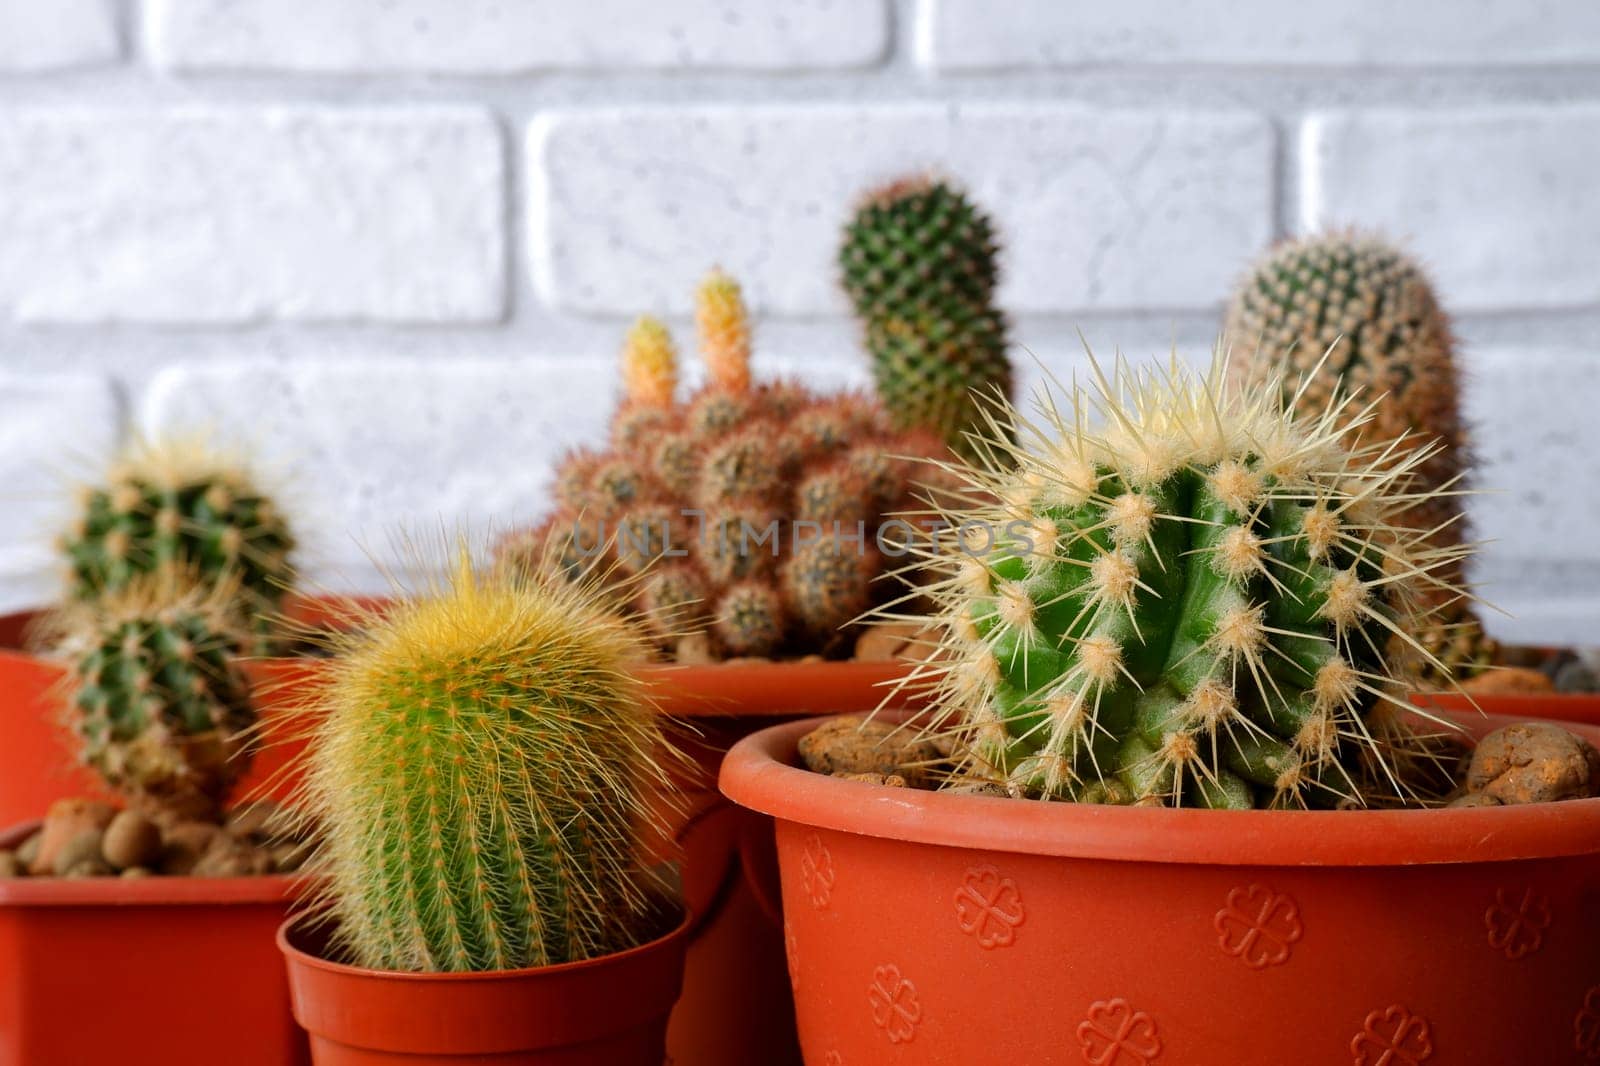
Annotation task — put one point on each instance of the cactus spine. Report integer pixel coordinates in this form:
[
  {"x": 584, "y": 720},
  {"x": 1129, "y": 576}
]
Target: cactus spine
[
  {"x": 732, "y": 482},
  {"x": 157, "y": 698},
  {"x": 1353, "y": 312},
  {"x": 481, "y": 768},
  {"x": 173, "y": 508},
  {"x": 1191, "y": 606},
  {"x": 918, "y": 262}
]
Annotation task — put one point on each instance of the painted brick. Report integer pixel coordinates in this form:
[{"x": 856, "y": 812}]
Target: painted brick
[
  {"x": 984, "y": 35},
  {"x": 233, "y": 215},
  {"x": 37, "y": 36},
  {"x": 1099, "y": 209},
  {"x": 1535, "y": 437},
  {"x": 495, "y": 37},
  {"x": 54, "y": 431},
  {"x": 1499, "y": 202}
]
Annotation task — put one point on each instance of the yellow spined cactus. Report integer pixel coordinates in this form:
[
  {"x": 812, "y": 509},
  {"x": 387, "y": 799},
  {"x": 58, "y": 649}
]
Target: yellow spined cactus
[
  {"x": 649, "y": 364},
  {"x": 724, "y": 326}
]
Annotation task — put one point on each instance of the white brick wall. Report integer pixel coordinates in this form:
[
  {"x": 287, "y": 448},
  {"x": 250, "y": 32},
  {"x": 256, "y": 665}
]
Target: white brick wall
[{"x": 393, "y": 243}]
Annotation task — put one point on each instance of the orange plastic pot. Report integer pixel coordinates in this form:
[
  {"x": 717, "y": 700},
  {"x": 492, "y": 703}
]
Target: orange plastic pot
[
  {"x": 160, "y": 971},
  {"x": 610, "y": 1011},
  {"x": 933, "y": 928},
  {"x": 1556, "y": 706}
]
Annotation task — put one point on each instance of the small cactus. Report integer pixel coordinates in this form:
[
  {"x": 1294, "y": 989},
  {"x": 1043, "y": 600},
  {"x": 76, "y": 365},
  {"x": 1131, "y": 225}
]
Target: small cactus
[
  {"x": 918, "y": 262},
  {"x": 1348, "y": 311},
  {"x": 1191, "y": 606},
  {"x": 649, "y": 365},
  {"x": 482, "y": 766},
  {"x": 754, "y": 469},
  {"x": 155, "y": 692},
  {"x": 173, "y": 509}
]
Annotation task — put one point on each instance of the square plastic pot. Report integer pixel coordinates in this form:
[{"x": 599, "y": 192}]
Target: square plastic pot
[
  {"x": 159, "y": 971},
  {"x": 929, "y": 928}
]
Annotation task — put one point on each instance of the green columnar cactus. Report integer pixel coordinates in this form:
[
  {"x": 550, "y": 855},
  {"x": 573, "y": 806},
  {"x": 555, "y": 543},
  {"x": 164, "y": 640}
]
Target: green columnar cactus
[
  {"x": 918, "y": 263},
  {"x": 171, "y": 508},
  {"x": 728, "y": 486},
  {"x": 1349, "y": 311},
  {"x": 1191, "y": 606},
  {"x": 481, "y": 766},
  {"x": 156, "y": 695}
]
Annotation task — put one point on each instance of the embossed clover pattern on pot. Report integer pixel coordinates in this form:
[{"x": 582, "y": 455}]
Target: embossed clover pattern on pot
[
  {"x": 1258, "y": 926},
  {"x": 816, "y": 871},
  {"x": 1586, "y": 1026},
  {"x": 1517, "y": 921},
  {"x": 1117, "y": 1035},
  {"x": 895, "y": 1007},
  {"x": 989, "y": 907},
  {"x": 1393, "y": 1036}
]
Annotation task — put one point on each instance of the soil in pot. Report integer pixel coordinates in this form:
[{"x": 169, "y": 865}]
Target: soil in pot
[
  {"x": 607, "y": 1011},
  {"x": 938, "y": 928}
]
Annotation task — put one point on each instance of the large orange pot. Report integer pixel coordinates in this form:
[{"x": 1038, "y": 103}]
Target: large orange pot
[
  {"x": 160, "y": 971},
  {"x": 609, "y": 1011},
  {"x": 933, "y": 928}
]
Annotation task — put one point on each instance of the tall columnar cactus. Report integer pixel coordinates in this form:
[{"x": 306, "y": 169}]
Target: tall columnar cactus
[
  {"x": 172, "y": 508},
  {"x": 1349, "y": 311},
  {"x": 750, "y": 510},
  {"x": 481, "y": 767},
  {"x": 918, "y": 262},
  {"x": 156, "y": 694},
  {"x": 1191, "y": 605}
]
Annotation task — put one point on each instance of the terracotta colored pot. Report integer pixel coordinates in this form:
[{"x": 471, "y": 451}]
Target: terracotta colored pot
[
  {"x": 1557, "y": 706},
  {"x": 160, "y": 971},
  {"x": 610, "y": 1011},
  {"x": 933, "y": 928}
]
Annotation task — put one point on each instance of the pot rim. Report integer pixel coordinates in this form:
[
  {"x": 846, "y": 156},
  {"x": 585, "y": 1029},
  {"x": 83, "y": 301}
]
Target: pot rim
[
  {"x": 295, "y": 924},
  {"x": 759, "y": 773},
  {"x": 154, "y": 891}
]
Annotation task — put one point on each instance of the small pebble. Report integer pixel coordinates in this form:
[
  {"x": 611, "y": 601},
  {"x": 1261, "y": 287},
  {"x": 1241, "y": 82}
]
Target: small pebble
[
  {"x": 892, "y": 780},
  {"x": 28, "y": 850},
  {"x": 1508, "y": 679},
  {"x": 855, "y": 745},
  {"x": 89, "y": 868},
  {"x": 1474, "y": 799},
  {"x": 81, "y": 850},
  {"x": 183, "y": 844},
  {"x": 131, "y": 840},
  {"x": 975, "y": 786},
  {"x": 1534, "y": 762},
  {"x": 10, "y": 865},
  {"x": 694, "y": 650},
  {"x": 133, "y": 873},
  {"x": 1576, "y": 676},
  {"x": 252, "y": 819},
  {"x": 68, "y": 819},
  {"x": 287, "y": 858}
]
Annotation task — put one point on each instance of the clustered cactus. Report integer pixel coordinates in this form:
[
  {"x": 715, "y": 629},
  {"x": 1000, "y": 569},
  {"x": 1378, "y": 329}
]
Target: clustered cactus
[
  {"x": 480, "y": 767},
  {"x": 158, "y": 700},
  {"x": 1191, "y": 605},
  {"x": 751, "y": 510},
  {"x": 173, "y": 508},
  {"x": 1349, "y": 311},
  {"x": 918, "y": 262}
]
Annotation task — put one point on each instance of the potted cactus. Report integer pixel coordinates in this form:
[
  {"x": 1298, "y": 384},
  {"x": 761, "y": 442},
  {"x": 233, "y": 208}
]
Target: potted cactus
[
  {"x": 166, "y": 510},
  {"x": 485, "y": 768},
  {"x": 167, "y": 893},
  {"x": 1206, "y": 603}
]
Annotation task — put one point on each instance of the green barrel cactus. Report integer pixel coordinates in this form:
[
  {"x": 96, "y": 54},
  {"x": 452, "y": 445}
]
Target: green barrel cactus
[
  {"x": 918, "y": 261},
  {"x": 174, "y": 507},
  {"x": 1348, "y": 311},
  {"x": 1191, "y": 605},
  {"x": 483, "y": 768},
  {"x": 156, "y": 695}
]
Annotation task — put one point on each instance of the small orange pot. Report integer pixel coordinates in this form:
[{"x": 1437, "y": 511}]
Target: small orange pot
[
  {"x": 931, "y": 928},
  {"x": 160, "y": 971},
  {"x": 610, "y": 1011},
  {"x": 1556, "y": 706}
]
